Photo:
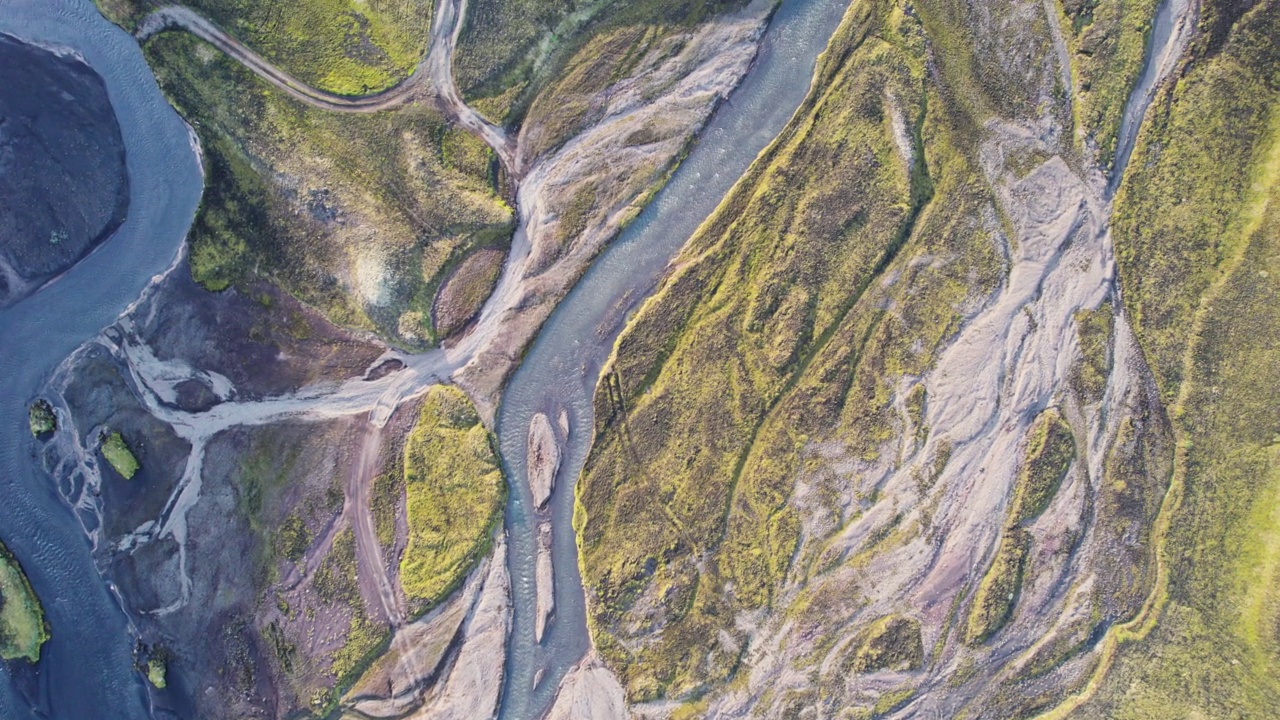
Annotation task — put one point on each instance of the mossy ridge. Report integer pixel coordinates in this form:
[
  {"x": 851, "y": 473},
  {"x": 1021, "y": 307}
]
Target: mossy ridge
[
  {"x": 1205, "y": 642},
  {"x": 891, "y": 642},
  {"x": 997, "y": 594},
  {"x": 1191, "y": 171},
  {"x": 1094, "y": 332},
  {"x": 1049, "y": 451},
  {"x": 785, "y": 351},
  {"x": 23, "y": 630},
  {"x": 454, "y": 489},
  {"x": 346, "y": 47},
  {"x": 293, "y": 194}
]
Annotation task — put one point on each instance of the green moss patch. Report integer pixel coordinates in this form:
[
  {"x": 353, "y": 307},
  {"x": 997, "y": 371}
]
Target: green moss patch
[
  {"x": 1094, "y": 329},
  {"x": 117, "y": 453},
  {"x": 346, "y": 47},
  {"x": 1050, "y": 449},
  {"x": 157, "y": 673},
  {"x": 454, "y": 490},
  {"x": 22, "y": 625},
  {"x": 997, "y": 594},
  {"x": 892, "y": 642},
  {"x": 40, "y": 418}
]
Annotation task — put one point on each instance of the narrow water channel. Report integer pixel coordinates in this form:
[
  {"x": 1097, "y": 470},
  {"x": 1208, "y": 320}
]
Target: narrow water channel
[
  {"x": 561, "y": 369},
  {"x": 87, "y": 668}
]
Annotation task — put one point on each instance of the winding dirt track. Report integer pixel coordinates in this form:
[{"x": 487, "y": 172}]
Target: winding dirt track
[{"x": 432, "y": 79}]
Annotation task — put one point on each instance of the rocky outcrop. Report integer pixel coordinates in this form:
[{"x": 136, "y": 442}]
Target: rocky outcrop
[
  {"x": 64, "y": 187},
  {"x": 544, "y": 459},
  {"x": 544, "y": 578}
]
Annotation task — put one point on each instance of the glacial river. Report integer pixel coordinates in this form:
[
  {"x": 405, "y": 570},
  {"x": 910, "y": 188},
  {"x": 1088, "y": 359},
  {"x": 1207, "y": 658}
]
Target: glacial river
[
  {"x": 561, "y": 369},
  {"x": 87, "y": 668}
]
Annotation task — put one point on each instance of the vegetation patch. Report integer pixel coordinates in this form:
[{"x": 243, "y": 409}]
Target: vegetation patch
[
  {"x": 157, "y": 673},
  {"x": 510, "y": 48},
  {"x": 454, "y": 490},
  {"x": 1094, "y": 329},
  {"x": 23, "y": 629},
  {"x": 795, "y": 312},
  {"x": 997, "y": 594},
  {"x": 1108, "y": 42},
  {"x": 336, "y": 582},
  {"x": 1197, "y": 242},
  {"x": 40, "y": 418},
  {"x": 387, "y": 496},
  {"x": 1050, "y": 449},
  {"x": 118, "y": 454},
  {"x": 346, "y": 47},
  {"x": 892, "y": 642}
]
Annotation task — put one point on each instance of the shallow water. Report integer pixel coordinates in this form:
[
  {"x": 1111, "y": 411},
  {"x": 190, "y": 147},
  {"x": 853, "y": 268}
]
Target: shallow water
[
  {"x": 87, "y": 668},
  {"x": 561, "y": 369}
]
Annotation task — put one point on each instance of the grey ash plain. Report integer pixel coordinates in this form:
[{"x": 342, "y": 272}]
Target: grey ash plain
[{"x": 62, "y": 166}]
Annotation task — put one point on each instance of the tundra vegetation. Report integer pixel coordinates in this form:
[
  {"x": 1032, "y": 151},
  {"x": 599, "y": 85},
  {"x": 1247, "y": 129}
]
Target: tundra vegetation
[
  {"x": 1107, "y": 40},
  {"x": 748, "y": 409},
  {"x": 347, "y": 47},
  {"x": 360, "y": 216},
  {"x": 40, "y": 418},
  {"x": 454, "y": 487},
  {"x": 22, "y": 626},
  {"x": 1050, "y": 449},
  {"x": 118, "y": 454},
  {"x": 753, "y": 407},
  {"x": 1198, "y": 241},
  {"x": 771, "y": 339}
]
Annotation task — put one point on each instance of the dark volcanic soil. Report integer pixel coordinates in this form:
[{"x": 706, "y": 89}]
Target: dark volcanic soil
[{"x": 64, "y": 187}]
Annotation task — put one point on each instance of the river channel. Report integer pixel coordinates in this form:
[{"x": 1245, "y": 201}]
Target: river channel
[
  {"x": 87, "y": 668},
  {"x": 561, "y": 369}
]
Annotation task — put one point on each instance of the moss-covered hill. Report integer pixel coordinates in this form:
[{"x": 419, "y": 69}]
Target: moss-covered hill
[
  {"x": 362, "y": 216},
  {"x": 1198, "y": 237},
  {"x": 754, "y": 407}
]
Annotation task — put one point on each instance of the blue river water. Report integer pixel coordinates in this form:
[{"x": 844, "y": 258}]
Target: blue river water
[
  {"x": 87, "y": 668},
  {"x": 561, "y": 369}
]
